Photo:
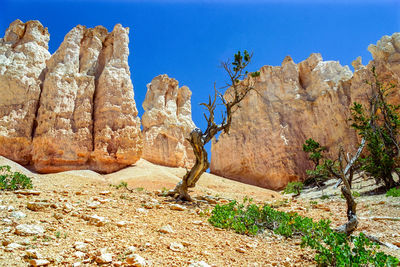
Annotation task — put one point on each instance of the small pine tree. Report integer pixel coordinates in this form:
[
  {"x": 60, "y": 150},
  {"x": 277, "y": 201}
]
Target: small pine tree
[{"x": 379, "y": 125}]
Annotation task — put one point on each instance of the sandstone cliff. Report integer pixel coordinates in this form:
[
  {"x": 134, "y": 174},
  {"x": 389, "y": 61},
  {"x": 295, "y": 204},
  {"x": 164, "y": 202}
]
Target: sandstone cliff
[
  {"x": 23, "y": 55},
  {"x": 87, "y": 117},
  {"x": 167, "y": 122},
  {"x": 290, "y": 103}
]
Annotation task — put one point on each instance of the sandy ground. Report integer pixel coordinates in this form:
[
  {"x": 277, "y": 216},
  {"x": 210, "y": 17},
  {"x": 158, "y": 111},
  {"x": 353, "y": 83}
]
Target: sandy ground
[{"x": 130, "y": 222}]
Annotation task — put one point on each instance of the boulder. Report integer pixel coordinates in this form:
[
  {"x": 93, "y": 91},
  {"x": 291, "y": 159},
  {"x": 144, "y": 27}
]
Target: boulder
[
  {"x": 23, "y": 55},
  {"x": 167, "y": 122}
]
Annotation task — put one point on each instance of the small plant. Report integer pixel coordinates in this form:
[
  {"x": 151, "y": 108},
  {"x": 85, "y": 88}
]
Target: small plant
[
  {"x": 121, "y": 185},
  {"x": 57, "y": 234},
  {"x": 393, "y": 192},
  {"x": 355, "y": 194},
  {"x": 294, "y": 187},
  {"x": 13, "y": 180},
  {"x": 139, "y": 189},
  {"x": 324, "y": 196}
]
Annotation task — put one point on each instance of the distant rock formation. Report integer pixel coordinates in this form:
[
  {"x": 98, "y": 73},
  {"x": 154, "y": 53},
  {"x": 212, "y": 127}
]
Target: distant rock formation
[
  {"x": 23, "y": 55},
  {"x": 167, "y": 122},
  {"x": 87, "y": 117}
]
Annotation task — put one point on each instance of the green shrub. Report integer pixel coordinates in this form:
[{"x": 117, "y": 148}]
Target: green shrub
[
  {"x": 293, "y": 187},
  {"x": 320, "y": 173},
  {"x": 13, "y": 180},
  {"x": 332, "y": 248},
  {"x": 393, "y": 192}
]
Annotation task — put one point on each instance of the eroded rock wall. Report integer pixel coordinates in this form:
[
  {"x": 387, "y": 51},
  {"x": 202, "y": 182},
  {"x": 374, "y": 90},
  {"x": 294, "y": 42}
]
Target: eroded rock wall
[
  {"x": 167, "y": 122},
  {"x": 23, "y": 55},
  {"x": 290, "y": 103},
  {"x": 78, "y": 104}
]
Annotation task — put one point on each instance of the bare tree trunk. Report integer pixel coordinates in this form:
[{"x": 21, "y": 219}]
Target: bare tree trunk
[
  {"x": 191, "y": 177},
  {"x": 352, "y": 221}
]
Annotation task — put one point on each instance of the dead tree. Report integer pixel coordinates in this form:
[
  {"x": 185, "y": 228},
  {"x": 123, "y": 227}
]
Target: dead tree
[{"x": 237, "y": 91}]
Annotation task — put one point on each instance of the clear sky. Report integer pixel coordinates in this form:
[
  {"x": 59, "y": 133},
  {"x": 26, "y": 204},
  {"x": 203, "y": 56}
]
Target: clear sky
[{"x": 188, "y": 39}]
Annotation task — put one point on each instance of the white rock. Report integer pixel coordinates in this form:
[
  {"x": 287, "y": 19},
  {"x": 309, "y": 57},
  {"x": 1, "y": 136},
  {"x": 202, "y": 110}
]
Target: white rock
[
  {"x": 199, "y": 264},
  {"x": 29, "y": 229},
  {"x": 33, "y": 254},
  {"x": 81, "y": 246},
  {"x": 166, "y": 229},
  {"x": 174, "y": 246},
  {"x": 131, "y": 250},
  {"x": 136, "y": 260},
  {"x": 93, "y": 205},
  {"x": 17, "y": 214},
  {"x": 79, "y": 254},
  {"x": 39, "y": 262},
  {"x": 13, "y": 246},
  {"x": 177, "y": 207}
]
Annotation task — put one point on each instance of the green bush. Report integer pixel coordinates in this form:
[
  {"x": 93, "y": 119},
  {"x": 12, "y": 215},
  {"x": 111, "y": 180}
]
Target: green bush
[
  {"x": 332, "y": 248},
  {"x": 293, "y": 187},
  {"x": 393, "y": 192},
  {"x": 13, "y": 180}
]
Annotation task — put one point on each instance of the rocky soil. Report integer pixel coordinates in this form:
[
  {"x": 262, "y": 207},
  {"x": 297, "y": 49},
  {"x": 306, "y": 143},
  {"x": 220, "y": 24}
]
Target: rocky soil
[{"x": 81, "y": 218}]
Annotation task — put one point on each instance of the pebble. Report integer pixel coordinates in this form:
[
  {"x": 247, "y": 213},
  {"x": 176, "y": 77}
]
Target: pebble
[
  {"x": 177, "y": 207},
  {"x": 93, "y": 205},
  {"x": 241, "y": 250},
  {"x": 13, "y": 246},
  {"x": 199, "y": 264},
  {"x": 27, "y": 192},
  {"x": 29, "y": 229},
  {"x": 39, "y": 262},
  {"x": 166, "y": 229},
  {"x": 81, "y": 246},
  {"x": 79, "y": 254},
  {"x": 174, "y": 246},
  {"x": 105, "y": 193},
  {"x": 33, "y": 254},
  {"x": 36, "y": 206},
  {"x": 104, "y": 257},
  {"x": 130, "y": 250},
  {"x": 141, "y": 210},
  {"x": 123, "y": 223},
  {"x": 17, "y": 214},
  {"x": 136, "y": 260},
  {"x": 95, "y": 220}
]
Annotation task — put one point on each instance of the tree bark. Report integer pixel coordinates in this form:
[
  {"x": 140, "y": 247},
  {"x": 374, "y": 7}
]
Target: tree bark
[{"x": 201, "y": 165}]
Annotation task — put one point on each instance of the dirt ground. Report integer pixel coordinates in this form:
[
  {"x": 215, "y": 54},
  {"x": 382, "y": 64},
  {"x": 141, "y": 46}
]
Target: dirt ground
[{"x": 115, "y": 226}]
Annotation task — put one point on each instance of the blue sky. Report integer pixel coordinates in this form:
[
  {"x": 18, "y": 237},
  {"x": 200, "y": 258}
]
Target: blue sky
[{"x": 188, "y": 39}]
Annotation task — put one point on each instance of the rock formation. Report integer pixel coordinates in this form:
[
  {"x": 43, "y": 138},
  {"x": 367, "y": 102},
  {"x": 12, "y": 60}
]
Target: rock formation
[
  {"x": 290, "y": 103},
  {"x": 87, "y": 117},
  {"x": 167, "y": 122},
  {"x": 23, "y": 55}
]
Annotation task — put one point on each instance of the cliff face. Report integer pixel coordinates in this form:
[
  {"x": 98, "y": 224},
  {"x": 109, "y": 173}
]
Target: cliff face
[
  {"x": 295, "y": 102},
  {"x": 23, "y": 55},
  {"x": 290, "y": 104},
  {"x": 167, "y": 122},
  {"x": 86, "y": 117}
]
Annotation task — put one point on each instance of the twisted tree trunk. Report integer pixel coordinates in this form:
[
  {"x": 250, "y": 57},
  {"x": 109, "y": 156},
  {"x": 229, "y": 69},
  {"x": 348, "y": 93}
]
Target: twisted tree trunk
[{"x": 191, "y": 177}]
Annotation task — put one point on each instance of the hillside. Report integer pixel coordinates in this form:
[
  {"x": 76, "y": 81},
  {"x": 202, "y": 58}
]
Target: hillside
[{"x": 129, "y": 222}]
